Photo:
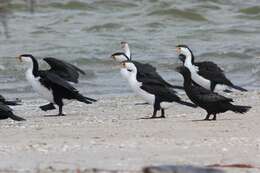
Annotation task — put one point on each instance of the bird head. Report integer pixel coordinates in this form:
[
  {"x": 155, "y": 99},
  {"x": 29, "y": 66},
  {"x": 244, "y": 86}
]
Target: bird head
[
  {"x": 130, "y": 67},
  {"x": 126, "y": 49},
  {"x": 120, "y": 57},
  {"x": 184, "y": 53},
  {"x": 124, "y": 45},
  {"x": 25, "y": 58}
]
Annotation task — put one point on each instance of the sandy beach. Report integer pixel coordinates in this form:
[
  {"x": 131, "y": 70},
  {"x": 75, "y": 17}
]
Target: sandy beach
[{"x": 110, "y": 135}]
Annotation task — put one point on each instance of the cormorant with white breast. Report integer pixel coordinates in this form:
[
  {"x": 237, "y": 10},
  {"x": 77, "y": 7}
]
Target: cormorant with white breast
[
  {"x": 145, "y": 70},
  {"x": 53, "y": 84},
  {"x": 66, "y": 71},
  {"x": 212, "y": 102},
  {"x": 206, "y": 74},
  {"x": 153, "y": 91}
]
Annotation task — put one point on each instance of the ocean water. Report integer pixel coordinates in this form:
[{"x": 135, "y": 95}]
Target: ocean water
[{"x": 87, "y": 32}]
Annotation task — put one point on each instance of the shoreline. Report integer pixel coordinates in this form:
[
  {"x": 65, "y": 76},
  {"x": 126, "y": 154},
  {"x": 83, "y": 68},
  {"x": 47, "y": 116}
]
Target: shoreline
[{"x": 110, "y": 135}]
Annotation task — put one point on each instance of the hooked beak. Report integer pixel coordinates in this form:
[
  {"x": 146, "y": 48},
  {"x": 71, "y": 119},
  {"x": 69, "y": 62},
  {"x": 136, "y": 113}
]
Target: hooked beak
[
  {"x": 122, "y": 65},
  {"x": 19, "y": 58},
  {"x": 178, "y": 50},
  {"x": 112, "y": 56}
]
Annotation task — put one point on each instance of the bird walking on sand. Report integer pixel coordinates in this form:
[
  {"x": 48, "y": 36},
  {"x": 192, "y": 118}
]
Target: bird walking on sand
[
  {"x": 212, "y": 102},
  {"x": 53, "y": 84}
]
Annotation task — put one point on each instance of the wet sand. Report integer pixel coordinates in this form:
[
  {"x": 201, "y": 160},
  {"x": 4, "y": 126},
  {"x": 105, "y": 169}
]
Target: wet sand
[{"x": 110, "y": 134}]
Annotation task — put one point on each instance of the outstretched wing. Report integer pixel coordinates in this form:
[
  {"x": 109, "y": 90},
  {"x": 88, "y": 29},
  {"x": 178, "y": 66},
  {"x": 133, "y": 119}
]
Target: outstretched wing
[
  {"x": 48, "y": 77},
  {"x": 64, "y": 69},
  {"x": 213, "y": 72}
]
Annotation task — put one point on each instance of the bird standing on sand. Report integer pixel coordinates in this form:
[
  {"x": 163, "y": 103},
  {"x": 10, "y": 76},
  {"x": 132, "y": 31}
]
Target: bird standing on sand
[
  {"x": 206, "y": 74},
  {"x": 53, "y": 84},
  {"x": 153, "y": 91},
  {"x": 212, "y": 102},
  {"x": 145, "y": 70}
]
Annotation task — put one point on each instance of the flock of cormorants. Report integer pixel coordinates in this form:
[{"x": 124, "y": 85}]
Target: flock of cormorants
[{"x": 202, "y": 80}]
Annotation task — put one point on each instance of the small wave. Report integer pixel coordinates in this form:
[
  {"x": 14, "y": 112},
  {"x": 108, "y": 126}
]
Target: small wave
[
  {"x": 113, "y": 4},
  {"x": 250, "y": 10},
  {"x": 72, "y": 5},
  {"x": 185, "y": 14},
  {"x": 238, "y": 31},
  {"x": 107, "y": 27}
]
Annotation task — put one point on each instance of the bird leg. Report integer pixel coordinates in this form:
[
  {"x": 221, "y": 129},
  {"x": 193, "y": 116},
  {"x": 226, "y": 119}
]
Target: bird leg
[
  {"x": 215, "y": 117},
  {"x": 154, "y": 113},
  {"x": 207, "y": 117},
  {"x": 47, "y": 107},
  {"x": 60, "y": 111},
  {"x": 162, "y": 113}
]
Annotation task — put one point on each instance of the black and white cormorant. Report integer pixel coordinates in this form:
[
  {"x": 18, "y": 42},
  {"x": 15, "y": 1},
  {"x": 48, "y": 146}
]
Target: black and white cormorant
[
  {"x": 53, "y": 84},
  {"x": 153, "y": 91},
  {"x": 212, "y": 102},
  {"x": 145, "y": 70},
  {"x": 206, "y": 74}
]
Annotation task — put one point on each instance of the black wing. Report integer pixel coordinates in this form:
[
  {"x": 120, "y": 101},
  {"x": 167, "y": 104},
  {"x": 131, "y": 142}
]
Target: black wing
[
  {"x": 5, "y": 108},
  {"x": 148, "y": 71},
  {"x": 160, "y": 90},
  {"x": 208, "y": 96},
  {"x": 49, "y": 77},
  {"x": 64, "y": 69},
  {"x": 212, "y": 72}
]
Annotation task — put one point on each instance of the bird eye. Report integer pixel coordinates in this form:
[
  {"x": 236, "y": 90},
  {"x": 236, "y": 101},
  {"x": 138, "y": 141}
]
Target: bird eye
[{"x": 129, "y": 70}]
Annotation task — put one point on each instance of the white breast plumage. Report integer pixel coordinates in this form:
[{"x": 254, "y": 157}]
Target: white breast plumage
[
  {"x": 135, "y": 85},
  {"x": 205, "y": 83},
  {"x": 38, "y": 87}
]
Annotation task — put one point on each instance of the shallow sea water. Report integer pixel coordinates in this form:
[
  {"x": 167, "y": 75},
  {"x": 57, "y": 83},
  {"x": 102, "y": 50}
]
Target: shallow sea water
[{"x": 87, "y": 32}]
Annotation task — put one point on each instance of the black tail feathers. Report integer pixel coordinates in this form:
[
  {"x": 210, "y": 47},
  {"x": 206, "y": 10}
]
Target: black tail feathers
[
  {"x": 84, "y": 99},
  {"x": 239, "y": 88},
  {"x": 187, "y": 104},
  {"x": 16, "y": 118},
  {"x": 239, "y": 109},
  {"x": 12, "y": 103}
]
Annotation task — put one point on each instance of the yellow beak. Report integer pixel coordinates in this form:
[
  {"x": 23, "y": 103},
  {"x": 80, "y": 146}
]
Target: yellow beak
[
  {"x": 178, "y": 50},
  {"x": 123, "y": 65},
  {"x": 19, "y": 58}
]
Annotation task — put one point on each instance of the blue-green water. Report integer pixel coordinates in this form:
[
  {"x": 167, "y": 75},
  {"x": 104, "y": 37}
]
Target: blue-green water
[{"x": 87, "y": 32}]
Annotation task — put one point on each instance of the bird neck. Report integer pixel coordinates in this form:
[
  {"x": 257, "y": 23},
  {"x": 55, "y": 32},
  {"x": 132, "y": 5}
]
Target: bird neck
[
  {"x": 127, "y": 52},
  {"x": 187, "y": 81},
  {"x": 188, "y": 61},
  {"x": 34, "y": 67}
]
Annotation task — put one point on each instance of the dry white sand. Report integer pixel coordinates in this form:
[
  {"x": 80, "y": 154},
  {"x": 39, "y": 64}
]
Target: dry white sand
[{"x": 110, "y": 135}]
